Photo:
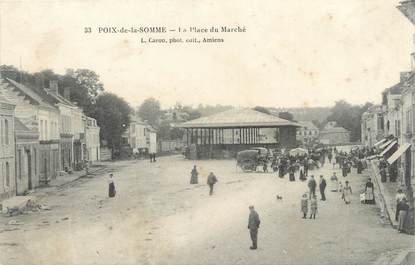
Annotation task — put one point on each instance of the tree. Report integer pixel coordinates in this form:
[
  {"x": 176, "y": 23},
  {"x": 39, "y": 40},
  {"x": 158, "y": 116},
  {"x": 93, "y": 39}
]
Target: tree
[
  {"x": 193, "y": 113},
  {"x": 262, "y": 109},
  {"x": 150, "y": 111},
  {"x": 113, "y": 116},
  {"x": 9, "y": 71},
  {"x": 286, "y": 115},
  {"x": 85, "y": 86},
  {"x": 348, "y": 116}
]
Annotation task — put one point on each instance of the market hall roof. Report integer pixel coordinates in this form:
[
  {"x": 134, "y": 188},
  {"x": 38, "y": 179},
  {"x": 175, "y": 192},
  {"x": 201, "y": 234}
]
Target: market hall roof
[{"x": 238, "y": 118}]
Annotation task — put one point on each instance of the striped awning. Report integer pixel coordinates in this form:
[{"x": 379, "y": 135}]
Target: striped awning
[
  {"x": 389, "y": 147},
  {"x": 386, "y": 144},
  {"x": 398, "y": 153},
  {"x": 380, "y": 142}
]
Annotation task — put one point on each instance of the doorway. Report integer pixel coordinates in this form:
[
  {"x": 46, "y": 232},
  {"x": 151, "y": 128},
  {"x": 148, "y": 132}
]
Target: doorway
[{"x": 29, "y": 170}]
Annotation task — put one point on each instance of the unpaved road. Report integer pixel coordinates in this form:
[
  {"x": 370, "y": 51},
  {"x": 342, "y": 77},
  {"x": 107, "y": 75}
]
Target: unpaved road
[{"x": 158, "y": 218}]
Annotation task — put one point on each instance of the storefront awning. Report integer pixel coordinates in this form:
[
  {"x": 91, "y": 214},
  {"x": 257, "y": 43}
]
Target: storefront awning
[
  {"x": 398, "y": 153},
  {"x": 380, "y": 142},
  {"x": 372, "y": 157},
  {"x": 389, "y": 147},
  {"x": 387, "y": 143}
]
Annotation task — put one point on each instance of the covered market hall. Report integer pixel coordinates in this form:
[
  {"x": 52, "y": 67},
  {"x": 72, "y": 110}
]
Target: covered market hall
[{"x": 224, "y": 134}]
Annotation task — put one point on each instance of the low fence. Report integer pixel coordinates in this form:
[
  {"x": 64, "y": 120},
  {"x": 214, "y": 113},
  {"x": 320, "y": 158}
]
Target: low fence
[{"x": 166, "y": 146}]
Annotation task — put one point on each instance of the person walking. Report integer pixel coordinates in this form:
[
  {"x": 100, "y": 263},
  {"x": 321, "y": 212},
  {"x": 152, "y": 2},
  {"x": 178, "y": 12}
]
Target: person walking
[
  {"x": 193, "y": 176},
  {"x": 253, "y": 226},
  {"x": 211, "y": 181},
  {"x": 313, "y": 207},
  {"x": 345, "y": 169},
  {"x": 334, "y": 182},
  {"x": 347, "y": 192},
  {"x": 382, "y": 173},
  {"x": 292, "y": 172},
  {"x": 111, "y": 186},
  {"x": 369, "y": 192},
  {"x": 312, "y": 186},
  {"x": 403, "y": 209},
  {"x": 302, "y": 175},
  {"x": 359, "y": 166},
  {"x": 304, "y": 205},
  {"x": 322, "y": 187},
  {"x": 306, "y": 166}
]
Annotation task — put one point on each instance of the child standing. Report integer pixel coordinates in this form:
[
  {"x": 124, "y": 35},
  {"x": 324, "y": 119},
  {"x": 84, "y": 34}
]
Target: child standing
[
  {"x": 313, "y": 207},
  {"x": 304, "y": 205}
]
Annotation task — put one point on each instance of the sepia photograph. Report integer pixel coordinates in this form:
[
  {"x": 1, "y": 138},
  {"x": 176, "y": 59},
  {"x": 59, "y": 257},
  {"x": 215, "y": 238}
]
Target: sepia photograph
[{"x": 184, "y": 132}]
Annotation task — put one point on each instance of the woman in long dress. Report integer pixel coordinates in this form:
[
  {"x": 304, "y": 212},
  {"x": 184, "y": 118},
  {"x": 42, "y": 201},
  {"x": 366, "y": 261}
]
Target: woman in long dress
[
  {"x": 193, "y": 176},
  {"x": 369, "y": 192},
  {"x": 111, "y": 187},
  {"x": 347, "y": 192},
  {"x": 334, "y": 181}
]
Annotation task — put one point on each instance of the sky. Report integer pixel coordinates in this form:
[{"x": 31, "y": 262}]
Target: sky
[{"x": 302, "y": 53}]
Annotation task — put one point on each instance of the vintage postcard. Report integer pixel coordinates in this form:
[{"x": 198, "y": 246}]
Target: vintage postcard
[{"x": 184, "y": 132}]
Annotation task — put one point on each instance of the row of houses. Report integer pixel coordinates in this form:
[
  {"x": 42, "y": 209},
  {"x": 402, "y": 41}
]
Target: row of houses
[
  {"x": 140, "y": 137},
  {"x": 42, "y": 134},
  {"x": 331, "y": 134},
  {"x": 390, "y": 126}
]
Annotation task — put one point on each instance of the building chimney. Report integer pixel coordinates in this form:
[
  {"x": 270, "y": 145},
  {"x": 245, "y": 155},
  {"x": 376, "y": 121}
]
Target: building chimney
[
  {"x": 53, "y": 87},
  {"x": 67, "y": 93}
]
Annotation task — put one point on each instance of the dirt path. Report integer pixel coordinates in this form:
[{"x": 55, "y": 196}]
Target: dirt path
[{"x": 158, "y": 218}]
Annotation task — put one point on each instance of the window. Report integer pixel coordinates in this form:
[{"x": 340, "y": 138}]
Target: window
[
  {"x": 46, "y": 130},
  {"x": 41, "y": 130},
  {"x": 397, "y": 128},
  {"x": 20, "y": 164},
  {"x": 35, "y": 160},
  {"x": 380, "y": 122},
  {"x": 6, "y": 131},
  {"x": 7, "y": 174},
  {"x": 409, "y": 121}
]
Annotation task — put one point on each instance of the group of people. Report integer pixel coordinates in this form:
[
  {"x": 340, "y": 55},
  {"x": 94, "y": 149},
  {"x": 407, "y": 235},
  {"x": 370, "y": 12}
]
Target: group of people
[{"x": 211, "y": 179}]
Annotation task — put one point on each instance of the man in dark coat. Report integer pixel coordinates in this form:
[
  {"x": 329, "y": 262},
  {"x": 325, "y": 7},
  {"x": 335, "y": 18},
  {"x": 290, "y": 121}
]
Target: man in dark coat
[
  {"x": 312, "y": 186},
  {"x": 253, "y": 226},
  {"x": 359, "y": 166},
  {"x": 330, "y": 156},
  {"x": 306, "y": 167},
  {"x": 344, "y": 169},
  {"x": 322, "y": 187},
  {"x": 382, "y": 173},
  {"x": 211, "y": 181}
]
